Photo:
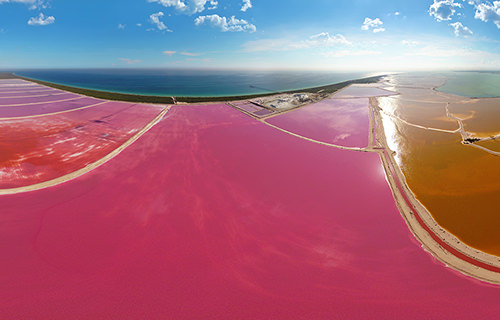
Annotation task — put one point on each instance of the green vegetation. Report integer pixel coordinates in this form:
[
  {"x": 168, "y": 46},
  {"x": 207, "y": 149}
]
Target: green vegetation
[{"x": 169, "y": 100}]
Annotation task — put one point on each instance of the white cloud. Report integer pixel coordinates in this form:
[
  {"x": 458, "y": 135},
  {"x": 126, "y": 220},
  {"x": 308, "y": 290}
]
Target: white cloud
[
  {"x": 324, "y": 39},
  {"x": 121, "y": 26},
  {"x": 349, "y": 53},
  {"x": 183, "y": 53},
  {"x": 461, "y": 30},
  {"x": 40, "y": 4},
  {"x": 129, "y": 61},
  {"x": 189, "y": 54},
  {"x": 224, "y": 24},
  {"x": 19, "y": 1},
  {"x": 397, "y": 13},
  {"x": 488, "y": 11},
  {"x": 373, "y": 24},
  {"x": 247, "y": 4},
  {"x": 443, "y": 9},
  {"x": 187, "y": 6},
  {"x": 41, "y": 20},
  {"x": 177, "y": 4},
  {"x": 273, "y": 44},
  {"x": 213, "y": 5},
  {"x": 409, "y": 43},
  {"x": 35, "y": 4},
  {"x": 155, "y": 19}
]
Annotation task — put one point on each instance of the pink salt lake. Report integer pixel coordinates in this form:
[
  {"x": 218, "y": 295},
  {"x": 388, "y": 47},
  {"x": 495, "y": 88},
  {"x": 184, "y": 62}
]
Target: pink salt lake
[
  {"x": 341, "y": 122},
  {"x": 215, "y": 215}
]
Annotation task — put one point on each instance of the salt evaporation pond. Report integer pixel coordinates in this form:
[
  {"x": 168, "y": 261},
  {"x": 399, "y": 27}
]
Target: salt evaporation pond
[{"x": 214, "y": 214}]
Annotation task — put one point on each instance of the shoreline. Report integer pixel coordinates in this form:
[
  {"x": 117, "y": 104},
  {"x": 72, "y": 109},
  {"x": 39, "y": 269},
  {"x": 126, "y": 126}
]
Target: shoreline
[
  {"x": 115, "y": 96},
  {"x": 436, "y": 240}
]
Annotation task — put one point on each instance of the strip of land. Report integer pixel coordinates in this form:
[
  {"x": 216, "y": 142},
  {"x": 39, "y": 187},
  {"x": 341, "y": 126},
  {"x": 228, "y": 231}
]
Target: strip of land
[
  {"x": 173, "y": 100},
  {"x": 47, "y": 142},
  {"x": 248, "y": 217},
  {"x": 435, "y": 239}
]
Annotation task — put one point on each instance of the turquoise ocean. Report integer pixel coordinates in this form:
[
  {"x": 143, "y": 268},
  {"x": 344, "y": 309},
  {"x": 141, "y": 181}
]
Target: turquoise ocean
[
  {"x": 189, "y": 83},
  {"x": 477, "y": 84}
]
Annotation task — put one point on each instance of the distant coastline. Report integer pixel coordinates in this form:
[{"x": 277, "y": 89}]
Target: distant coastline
[{"x": 108, "y": 95}]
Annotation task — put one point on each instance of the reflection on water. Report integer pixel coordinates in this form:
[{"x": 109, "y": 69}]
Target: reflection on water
[
  {"x": 457, "y": 183},
  {"x": 342, "y": 122},
  {"x": 418, "y": 113},
  {"x": 393, "y": 136}
]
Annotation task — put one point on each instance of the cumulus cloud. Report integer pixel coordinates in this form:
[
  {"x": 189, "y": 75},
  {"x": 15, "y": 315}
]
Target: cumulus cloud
[
  {"x": 324, "y": 39},
  {"x": 443, "y": 9},
  {"x": 121, "y": 26},
  {"x": 177, "y": 4},
  {"x": 373, "y": 24},
  {"x": 41, "y": 20},
  {"x": 488, "y": 12},
  {"x": 187, "y": 6},
  {"x": 155, "y": 19},
  {"x": 461, "y": 30},
  {"x": 247, "y": 4},
  {"x": 224, "y": 24}
]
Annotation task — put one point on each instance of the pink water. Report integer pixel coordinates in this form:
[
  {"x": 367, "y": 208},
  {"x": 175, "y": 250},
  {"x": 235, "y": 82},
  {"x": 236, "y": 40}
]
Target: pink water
[
  {"x": 214, "y": 215},
  {"x": 335, "y": 121},
  {"x": 27, "y": 100},
  {"x": 249, "y": 107},
  {"x": 46, "y": 107},
  {"x": 35, "y": 150}
]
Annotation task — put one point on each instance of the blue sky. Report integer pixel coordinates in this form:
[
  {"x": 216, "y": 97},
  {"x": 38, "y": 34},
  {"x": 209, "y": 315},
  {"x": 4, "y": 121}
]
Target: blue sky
[{"x": 388, "y": 35}]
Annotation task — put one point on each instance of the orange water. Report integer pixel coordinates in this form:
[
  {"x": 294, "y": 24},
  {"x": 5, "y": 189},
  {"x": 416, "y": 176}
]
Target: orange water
[{"x": 458, "y": 184}]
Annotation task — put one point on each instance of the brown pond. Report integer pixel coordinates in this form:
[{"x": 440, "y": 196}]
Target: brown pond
[{"x": 457, "y": 183}]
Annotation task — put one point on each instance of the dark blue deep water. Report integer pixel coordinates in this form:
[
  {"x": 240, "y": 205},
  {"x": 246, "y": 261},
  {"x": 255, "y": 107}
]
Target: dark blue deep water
[{"x": 202, "y": 83}]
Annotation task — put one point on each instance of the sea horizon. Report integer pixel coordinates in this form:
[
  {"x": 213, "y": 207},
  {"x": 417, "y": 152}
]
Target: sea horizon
[{"x": 189, "y": 82}]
